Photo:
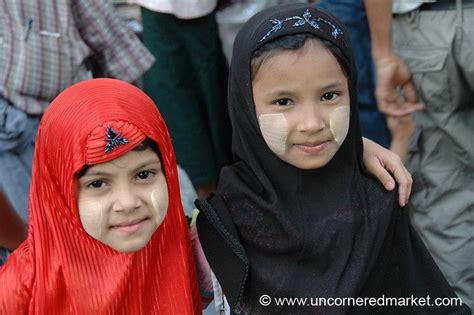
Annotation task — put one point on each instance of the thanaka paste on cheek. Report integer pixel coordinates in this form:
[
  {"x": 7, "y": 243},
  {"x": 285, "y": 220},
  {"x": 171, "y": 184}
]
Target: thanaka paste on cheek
[
  {"x": 274, "y": 128},
  {"x": 339, "y": 123},
  {"x": 91, "y": 215},
  {"x": 159, "y": 200}
]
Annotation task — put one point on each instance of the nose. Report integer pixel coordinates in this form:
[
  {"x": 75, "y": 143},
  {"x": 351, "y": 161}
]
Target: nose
[
  {"x": 310, "y": 118},
  {"x": 126, "y": 199}
]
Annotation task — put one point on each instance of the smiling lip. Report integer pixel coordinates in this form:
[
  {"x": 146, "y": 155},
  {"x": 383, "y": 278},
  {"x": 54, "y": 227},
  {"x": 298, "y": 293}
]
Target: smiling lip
[
  {"x": 130, "y": 227},
  {"x": 312, "y": 148}
]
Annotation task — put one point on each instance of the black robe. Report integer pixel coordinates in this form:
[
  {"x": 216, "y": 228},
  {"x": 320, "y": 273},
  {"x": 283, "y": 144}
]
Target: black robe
[{"x": 273, "y": 229}]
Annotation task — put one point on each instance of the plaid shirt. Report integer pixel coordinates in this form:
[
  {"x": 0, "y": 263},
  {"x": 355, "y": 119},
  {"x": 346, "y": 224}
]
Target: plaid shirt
[{"x": 44, "y": 45}]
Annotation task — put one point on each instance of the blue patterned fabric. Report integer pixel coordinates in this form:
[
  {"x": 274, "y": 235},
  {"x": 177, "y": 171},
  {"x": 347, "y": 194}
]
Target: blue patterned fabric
[{"x": 306, "y": 18}]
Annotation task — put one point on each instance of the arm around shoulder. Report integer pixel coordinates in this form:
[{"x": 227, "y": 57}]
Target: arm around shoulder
[{"x": 387, "y": 167}]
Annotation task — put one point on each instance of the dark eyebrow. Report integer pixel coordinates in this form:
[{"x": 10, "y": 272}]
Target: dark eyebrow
[
  {"x": 332, "y": 85},
  {"x": 279, "y": 93},
  {"x": 154, "y": 160},
  {"x": 284, "y": 93},
  {"x": 148, "y": 163},
  {"x": 90, "y": 172}
]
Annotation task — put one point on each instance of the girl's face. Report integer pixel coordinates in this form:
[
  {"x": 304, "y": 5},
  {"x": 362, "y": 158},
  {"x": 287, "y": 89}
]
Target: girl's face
[
  {"x": 302, "y": 104},
  {"x": 122, "y": 202}
]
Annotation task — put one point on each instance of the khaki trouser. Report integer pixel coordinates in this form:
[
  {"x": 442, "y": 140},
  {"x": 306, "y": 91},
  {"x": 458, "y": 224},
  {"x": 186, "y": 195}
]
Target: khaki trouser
[{"x": 438, "y": 47}]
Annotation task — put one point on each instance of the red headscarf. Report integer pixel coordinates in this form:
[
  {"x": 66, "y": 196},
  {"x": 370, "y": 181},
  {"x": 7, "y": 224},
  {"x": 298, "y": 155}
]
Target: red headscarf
[{"x": 60, "y": 269}]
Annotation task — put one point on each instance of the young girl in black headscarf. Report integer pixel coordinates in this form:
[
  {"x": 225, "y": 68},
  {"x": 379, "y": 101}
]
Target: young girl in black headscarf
[{"x": 297, "y": 215}]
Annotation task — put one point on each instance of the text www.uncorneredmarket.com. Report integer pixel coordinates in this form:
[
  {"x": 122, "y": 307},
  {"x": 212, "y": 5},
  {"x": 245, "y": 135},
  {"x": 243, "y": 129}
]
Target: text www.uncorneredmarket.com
[{"x": 266, "y": 300}]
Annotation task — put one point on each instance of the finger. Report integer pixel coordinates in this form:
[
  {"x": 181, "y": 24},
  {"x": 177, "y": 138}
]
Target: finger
[
  {"x": 396, "y": 167},
  {"x": 397, "y": 104},
  {"x": 405, "y": 106},
  {"x": 407, "y": 109},
  {"x": 390, "y": 108},
  {"x": 410, "y": 184},
  {"x": 416, "y": 107},
  {"x": 403, "y": 110},
  {"x": 393, "y": 105},
  {"x": 384, "y": 176},
  {"x": 387, "y": 99},
  {"x": 405, "y": 196},
  {"x": 403, "y": 188},
  {"x": 409, "y": 92}
]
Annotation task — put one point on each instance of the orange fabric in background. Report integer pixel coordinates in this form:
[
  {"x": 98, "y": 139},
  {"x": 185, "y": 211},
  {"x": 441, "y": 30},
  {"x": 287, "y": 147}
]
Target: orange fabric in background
[{"x": 60, "y": 269}]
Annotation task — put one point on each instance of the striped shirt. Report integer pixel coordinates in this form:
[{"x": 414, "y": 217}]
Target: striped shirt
[{"x": 44, "y": 45}]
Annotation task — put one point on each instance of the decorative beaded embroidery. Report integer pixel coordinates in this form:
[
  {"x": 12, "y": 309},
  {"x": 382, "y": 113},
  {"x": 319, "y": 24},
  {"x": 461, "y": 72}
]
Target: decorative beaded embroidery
[
  {"x": 300, "y": 21},
  {"x": 114, "y": 139}
]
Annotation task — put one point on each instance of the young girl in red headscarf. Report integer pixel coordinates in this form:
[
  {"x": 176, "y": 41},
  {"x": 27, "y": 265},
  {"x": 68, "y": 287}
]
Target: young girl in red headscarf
[{"x": 107, "y": 234}]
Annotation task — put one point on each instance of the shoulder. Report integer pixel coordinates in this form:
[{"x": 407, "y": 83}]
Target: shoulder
[
  {"x": 369, "y": 193},
  {"x": 16, "y": 281},
  {"x": 220, "y": 243}
]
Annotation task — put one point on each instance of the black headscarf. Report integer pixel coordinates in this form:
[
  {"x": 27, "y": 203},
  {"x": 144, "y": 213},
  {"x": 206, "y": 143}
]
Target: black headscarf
[{"x": 274, "y": 229}]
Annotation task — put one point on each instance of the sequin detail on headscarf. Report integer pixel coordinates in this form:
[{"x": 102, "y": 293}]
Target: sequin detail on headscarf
[
  {"x": 114, "y": 139},
  {"x": 300, "y": 21}
]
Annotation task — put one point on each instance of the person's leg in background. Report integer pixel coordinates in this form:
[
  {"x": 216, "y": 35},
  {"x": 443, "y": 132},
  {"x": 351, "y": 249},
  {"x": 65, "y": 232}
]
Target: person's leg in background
[
  {"x": 171, "y": 84},
  {"x": 17, "y": 139},
  {"x": 438, "y": 51},
  {"x": 209, "y": 66}
]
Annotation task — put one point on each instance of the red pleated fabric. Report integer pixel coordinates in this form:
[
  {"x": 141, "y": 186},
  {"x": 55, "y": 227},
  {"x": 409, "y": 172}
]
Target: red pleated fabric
[{"x": 60, "y": 269}]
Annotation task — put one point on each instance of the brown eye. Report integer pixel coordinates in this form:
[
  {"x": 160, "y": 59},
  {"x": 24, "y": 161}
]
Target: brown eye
[
  {"x": 329, "y": 96},
  {"x": 96, "y": 184},
  {"x": 143, "y": 174},
  {"x": 283, "y": 102}
]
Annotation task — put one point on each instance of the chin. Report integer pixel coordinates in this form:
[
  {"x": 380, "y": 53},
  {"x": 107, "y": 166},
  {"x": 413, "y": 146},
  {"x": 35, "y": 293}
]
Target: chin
[
  {"x": 309, "y": 164},
  {"x": 129, "y": 246}
]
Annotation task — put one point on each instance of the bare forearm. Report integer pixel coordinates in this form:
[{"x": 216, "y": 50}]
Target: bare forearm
[
  {"x": 401, "y": 130},
  {"x": 12, "y": 228},
  {"x": 379, "y": 15}
]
